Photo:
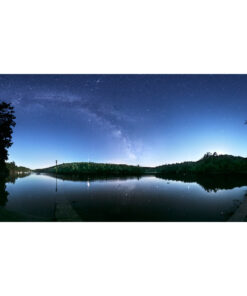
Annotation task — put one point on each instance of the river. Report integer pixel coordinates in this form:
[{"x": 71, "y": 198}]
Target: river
[{"x": 40, "y": 197}]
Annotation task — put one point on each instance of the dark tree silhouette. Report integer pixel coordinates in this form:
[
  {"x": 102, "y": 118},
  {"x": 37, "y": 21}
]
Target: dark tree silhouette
[
  {"x": 3, "y": 192},
  {"x": 6, "y": 124}
]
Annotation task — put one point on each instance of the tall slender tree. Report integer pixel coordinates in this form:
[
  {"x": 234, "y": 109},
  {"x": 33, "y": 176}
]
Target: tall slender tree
[{"x": 7, "y": 123}]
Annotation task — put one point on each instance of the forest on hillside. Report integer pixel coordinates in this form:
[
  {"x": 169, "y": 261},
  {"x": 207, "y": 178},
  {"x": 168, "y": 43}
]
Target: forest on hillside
[
  {"x": 209, "y": 164},
  {"x": 94, "y": 169}
]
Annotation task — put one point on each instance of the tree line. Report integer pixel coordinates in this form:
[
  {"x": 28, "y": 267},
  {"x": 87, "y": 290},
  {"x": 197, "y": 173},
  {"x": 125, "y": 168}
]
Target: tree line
[
  {"x": 94, "y": 169},
  {"x": 7, "y": 122},
  {"x": 209, "y": 164}
]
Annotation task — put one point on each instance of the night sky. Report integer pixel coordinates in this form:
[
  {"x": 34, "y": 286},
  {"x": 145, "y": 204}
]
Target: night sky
[{"x": 134, "y": 119}]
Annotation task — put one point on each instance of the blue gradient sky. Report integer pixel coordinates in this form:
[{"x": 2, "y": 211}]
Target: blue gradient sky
[{"x": 134, "y": 119}]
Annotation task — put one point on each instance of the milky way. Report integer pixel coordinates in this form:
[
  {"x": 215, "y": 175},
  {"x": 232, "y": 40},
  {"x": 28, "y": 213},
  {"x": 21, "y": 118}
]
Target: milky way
[{"x": 135, "y": 119}]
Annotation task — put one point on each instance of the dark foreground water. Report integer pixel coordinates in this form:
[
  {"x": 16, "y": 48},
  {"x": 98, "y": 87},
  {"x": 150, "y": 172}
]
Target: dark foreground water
[{"x": 47, "y": 198}]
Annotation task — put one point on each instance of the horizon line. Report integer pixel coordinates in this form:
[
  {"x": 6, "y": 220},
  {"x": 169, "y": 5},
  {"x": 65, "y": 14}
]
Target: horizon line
[{"x": 112, "y": 163}]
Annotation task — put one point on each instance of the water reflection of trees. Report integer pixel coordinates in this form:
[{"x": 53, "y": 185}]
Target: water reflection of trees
[
  {"x": 3, "y": 186},
  {"x": 90, "y": 178},
  {"x": 210, "y": 182},
  {"x": 207, "y": 182},
  {"x": 3, "y": 192}
]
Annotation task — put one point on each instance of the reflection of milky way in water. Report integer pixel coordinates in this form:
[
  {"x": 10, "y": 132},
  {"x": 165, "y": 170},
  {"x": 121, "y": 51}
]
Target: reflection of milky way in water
[{"x": 36, "y": 198}]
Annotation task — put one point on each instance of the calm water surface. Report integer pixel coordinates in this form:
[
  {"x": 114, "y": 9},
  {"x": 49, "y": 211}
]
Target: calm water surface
[{"x": 46, "y": 198}]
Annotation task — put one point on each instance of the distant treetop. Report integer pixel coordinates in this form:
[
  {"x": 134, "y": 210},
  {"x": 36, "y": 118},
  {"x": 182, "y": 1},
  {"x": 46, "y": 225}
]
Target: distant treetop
[{"x": 209, "y": 154}]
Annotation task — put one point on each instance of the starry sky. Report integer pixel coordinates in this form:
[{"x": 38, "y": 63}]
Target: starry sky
[{"x": 135, "y": 119}]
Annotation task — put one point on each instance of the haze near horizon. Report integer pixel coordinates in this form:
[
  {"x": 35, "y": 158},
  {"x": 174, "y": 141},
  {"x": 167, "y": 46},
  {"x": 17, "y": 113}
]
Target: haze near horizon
[{"x": 134, "y": 119}]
